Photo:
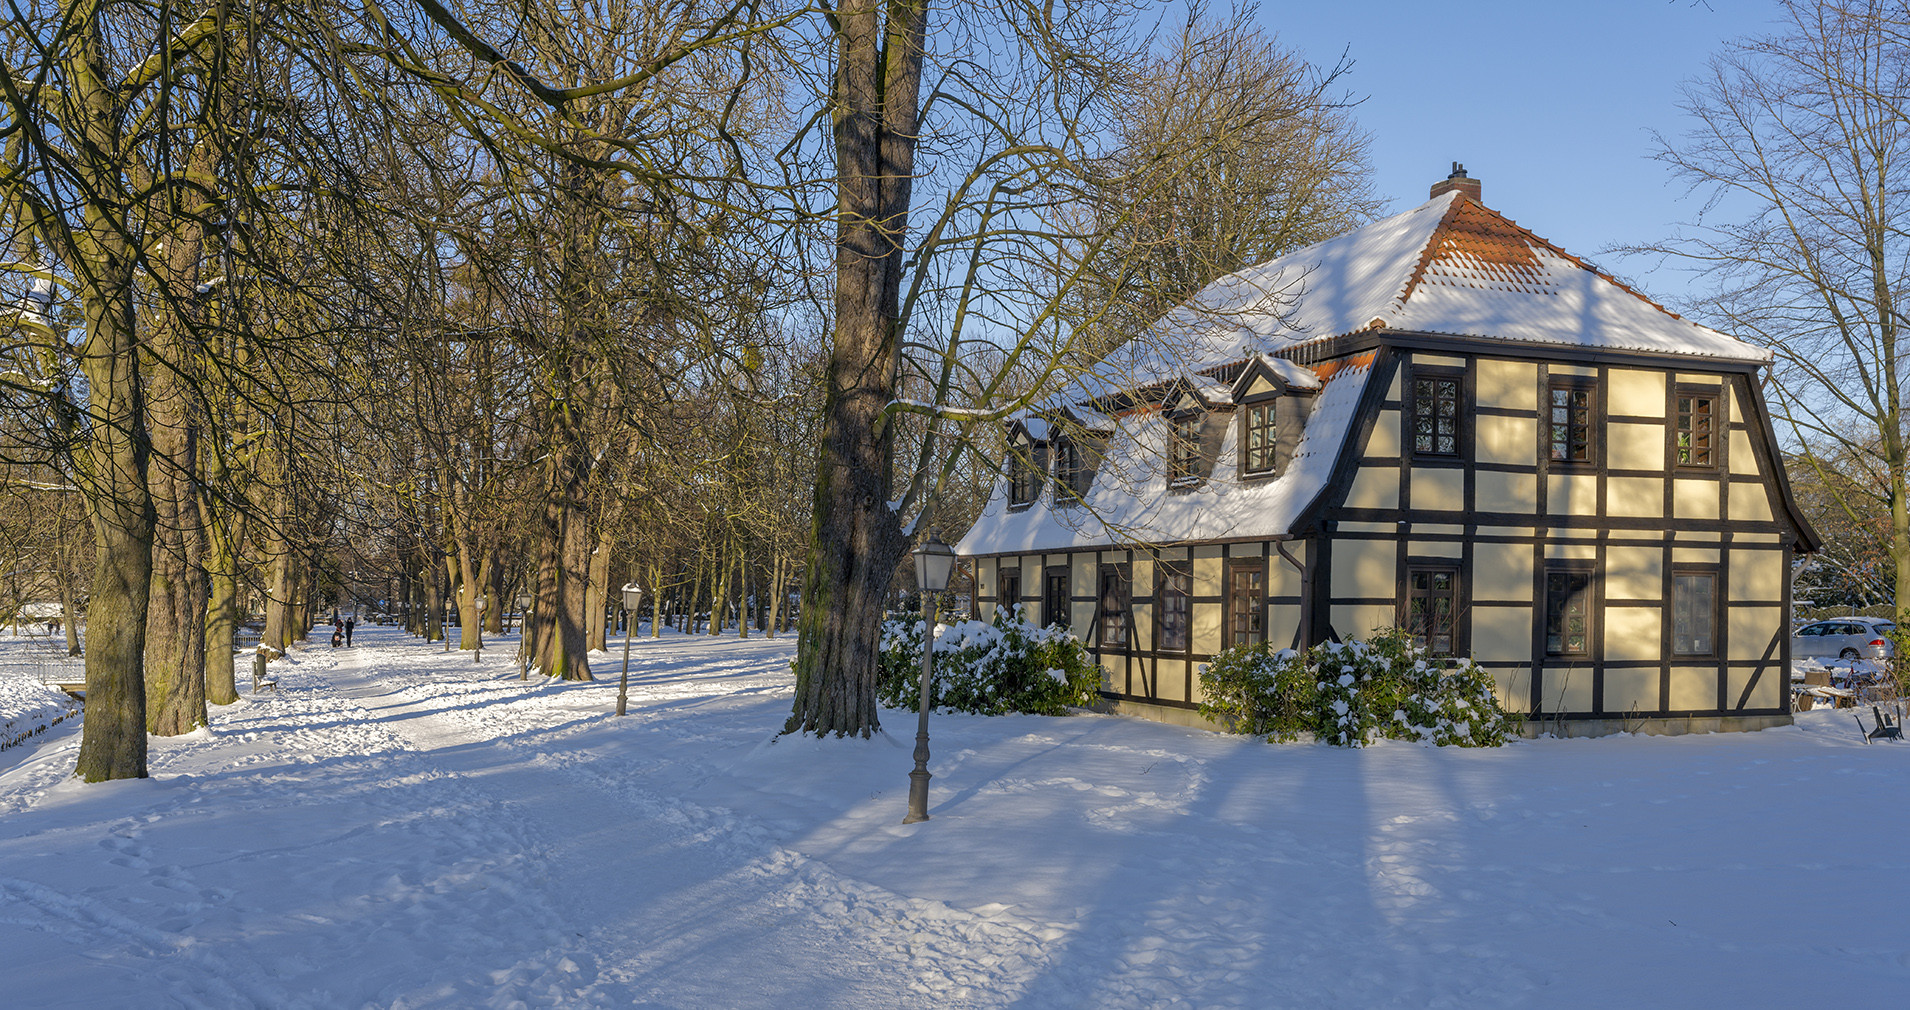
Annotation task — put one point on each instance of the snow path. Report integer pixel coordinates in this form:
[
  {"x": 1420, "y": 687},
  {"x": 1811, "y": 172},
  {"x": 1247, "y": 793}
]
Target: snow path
[{"x": 404, "y": 828}]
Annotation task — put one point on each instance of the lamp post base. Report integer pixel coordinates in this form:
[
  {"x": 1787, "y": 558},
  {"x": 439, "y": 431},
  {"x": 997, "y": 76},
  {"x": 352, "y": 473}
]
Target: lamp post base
[{"x": 918, "y": 796}]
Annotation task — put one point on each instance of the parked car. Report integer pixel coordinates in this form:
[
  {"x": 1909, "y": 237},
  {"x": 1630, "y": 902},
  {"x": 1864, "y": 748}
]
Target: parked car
[{"x": 1844, "y": 638}]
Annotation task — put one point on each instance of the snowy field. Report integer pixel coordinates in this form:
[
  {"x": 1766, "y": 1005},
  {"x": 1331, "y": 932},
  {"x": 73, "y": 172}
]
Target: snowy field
[{"x": 403, "y": 828}]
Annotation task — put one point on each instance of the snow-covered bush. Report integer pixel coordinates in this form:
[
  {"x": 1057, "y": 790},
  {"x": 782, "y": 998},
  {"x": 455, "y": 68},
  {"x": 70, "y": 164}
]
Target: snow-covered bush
[
  {"x": 1352, "y": 693},
  {"x": 1253, "y": 690},
  {"x": 988, "y": 667}
]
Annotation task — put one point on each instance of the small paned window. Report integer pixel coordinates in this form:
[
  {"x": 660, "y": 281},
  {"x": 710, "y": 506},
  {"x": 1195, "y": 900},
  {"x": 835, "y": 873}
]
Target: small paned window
[
  {"x": 1697, "y": 432},
  {"x": 1694, "y": 613},
  {"x": 1054, "y": 599},
  {"x": 1173, "y": 602},
  {"x": 1183, "y": 450},
  {"x": 1258, "y": 439},
  {"x": 1024, "y": 474},
  {"x": 1071, "y": 475},
  {"x": 1435, "y": 416},
  {"x": 1431, "y": 595},
  {"x": 1114, "y": 606},
  {"x": 1570, "y": 425},
  {"x": 1568, "y": 610},
  {"x": 1246, "y": 596},
  {"x": 1010, "y": 596}
]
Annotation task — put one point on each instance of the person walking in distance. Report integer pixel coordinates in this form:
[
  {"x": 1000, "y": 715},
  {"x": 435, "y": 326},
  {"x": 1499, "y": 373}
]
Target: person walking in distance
[{"x": 351, "y": 621}]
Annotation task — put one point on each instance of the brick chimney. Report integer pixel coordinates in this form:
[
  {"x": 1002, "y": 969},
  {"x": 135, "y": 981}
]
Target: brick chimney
[{"x": 1457, "y": 180}]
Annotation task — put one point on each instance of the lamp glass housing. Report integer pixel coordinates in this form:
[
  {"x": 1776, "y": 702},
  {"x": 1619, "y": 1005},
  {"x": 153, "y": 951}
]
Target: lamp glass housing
[
  {"x": 632, "y": 596},
  {"x": 934, "y": 561}
]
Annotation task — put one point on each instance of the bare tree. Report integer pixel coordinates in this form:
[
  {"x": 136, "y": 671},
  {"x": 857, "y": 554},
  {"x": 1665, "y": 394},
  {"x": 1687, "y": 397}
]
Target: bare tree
[{"x": 1801, "y": 148}]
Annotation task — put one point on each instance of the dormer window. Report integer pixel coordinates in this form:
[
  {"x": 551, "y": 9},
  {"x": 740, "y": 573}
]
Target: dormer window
[
  {"x": 1258, "y": 439},
  {"x": 1026, "y": 467},
  {"x": 1071, "y": 473},
  {"x": 1183, "y": 447}
]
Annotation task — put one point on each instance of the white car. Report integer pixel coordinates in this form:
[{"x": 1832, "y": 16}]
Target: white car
[{"x": 1845, "y": 638}]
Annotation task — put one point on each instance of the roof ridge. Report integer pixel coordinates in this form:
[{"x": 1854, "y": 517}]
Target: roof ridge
[{"x": 1426, "y": 254}]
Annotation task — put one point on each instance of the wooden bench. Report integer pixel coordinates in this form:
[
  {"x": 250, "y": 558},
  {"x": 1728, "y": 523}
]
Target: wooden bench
[{"x": 76, "y": 688}]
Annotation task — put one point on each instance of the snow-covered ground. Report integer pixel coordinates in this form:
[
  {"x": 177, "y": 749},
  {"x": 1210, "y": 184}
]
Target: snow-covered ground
[{"x": 403, "y": 828}]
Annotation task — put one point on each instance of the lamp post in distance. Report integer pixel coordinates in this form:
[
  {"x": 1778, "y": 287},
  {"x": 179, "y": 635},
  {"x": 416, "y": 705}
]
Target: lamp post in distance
[
  {"x": 523, "y": 636},
  {"x": 632, "y": 599},
  {"x": 477, "y": 656},
  {"x": 934, "y": 560}
]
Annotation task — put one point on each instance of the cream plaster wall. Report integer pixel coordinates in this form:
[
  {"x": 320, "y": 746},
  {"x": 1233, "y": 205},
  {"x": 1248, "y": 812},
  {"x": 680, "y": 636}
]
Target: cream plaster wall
[
  {"x": 1374, "y": 487},
  {"x": 1567, "y": 689},
  {"x": 1436, "y": 549},
  {"x": 1635, "y": 446},
  {"x": 1283, "y": 620},
  {"x": 1693, "y": 687},
  {"x": 1694, "y": 555},
  {"x": 1749, "y": 504},
  {"x": 1172, "y": 683},
  {"x": 1631, "y": 691},
  {"x": 1751, "y": 630},
  {"x": 1571, "y": 494},
  {"x": 1635, "y": 573},
  {"x": 1758, "y": 575},
  {"x": 1360, "y": 621},
  {"x": 1633, "y": 633},
  {"x": 1586, "y": 371},
  {"x": 1364, "y": 568},
  {"x": 1637, "y": 392},
  {"x": 1512, "y": 440},
  {"x": 1385, "y": 438},
  {"x": 1502, "y": 634},
  {"x": 1635, "y": 496},
  {"x": 1502, "y": 572},
  {"x": 1496, "y": 491},
  {"x": 1207, "y": 571},
  {"x": 1743, "y": 460},
  {"x": 1206, "y": 628},
  {"x": 1082, "y": 578},
  {"x": 1244, "y": 550},
  {"x": 1514, "y": 688},
  {"x": 1571, "y": 552},
  {"x": 1763, "y": 695},
  {"x": 1441, "y": 489},
  {"x": 1438, "y": 360},
  {"x": 1513, "y": 385},
  {"x": 1282, "y": 578},
  {"x": 1694, "y": 499}
]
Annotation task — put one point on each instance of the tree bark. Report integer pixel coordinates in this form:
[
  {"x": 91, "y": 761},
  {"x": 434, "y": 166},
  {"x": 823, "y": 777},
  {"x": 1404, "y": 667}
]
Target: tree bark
[{"x": 856, "y": 540}]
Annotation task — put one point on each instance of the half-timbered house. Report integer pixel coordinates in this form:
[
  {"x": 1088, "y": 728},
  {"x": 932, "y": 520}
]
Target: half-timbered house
[{"x": 1440, "y": 422}]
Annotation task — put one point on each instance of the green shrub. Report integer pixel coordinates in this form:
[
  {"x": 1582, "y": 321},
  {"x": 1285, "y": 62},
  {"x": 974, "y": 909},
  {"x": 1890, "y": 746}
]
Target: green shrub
[
  {"x": 1352, "y": 693},
  {"x": 989, "y": 668}
]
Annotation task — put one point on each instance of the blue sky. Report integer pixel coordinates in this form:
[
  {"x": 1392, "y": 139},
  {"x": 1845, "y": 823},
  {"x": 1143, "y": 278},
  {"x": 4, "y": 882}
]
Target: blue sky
[{"x": 1550, "y": 104}]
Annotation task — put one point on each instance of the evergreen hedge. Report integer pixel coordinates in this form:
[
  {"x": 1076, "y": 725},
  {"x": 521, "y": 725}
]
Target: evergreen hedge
[
  {"x": 988, "y": 667},
  {"x": 1352, "y": 693}
]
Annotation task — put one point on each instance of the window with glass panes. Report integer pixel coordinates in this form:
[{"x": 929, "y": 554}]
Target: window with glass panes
[
  {"x": 1694, "y": 613},
  {"x": 1010, "y": 595},
  {"x": 1697, "y": 431},
  {"x": 1431, "y": 601},
  {"x": 1570, "y": 422},
  {"x": 1258, "y": 439},
  {"x": 1054, "y": 599},
  {"x": 1568, "y": 613},
  {"x": 1173, "y": 603},
  {"x": 1246, "y": 596},
  {"x": 1183, "y": 452},
  {"x": 1435, "y": 416},
  {"x": 1070, "y": 473},
  {"x": 1114, "y": 599},
  {"x": 1024, "y": 481}
]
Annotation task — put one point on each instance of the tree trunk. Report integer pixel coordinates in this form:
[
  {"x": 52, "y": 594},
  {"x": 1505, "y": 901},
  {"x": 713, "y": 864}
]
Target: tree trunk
[
  {"x": 855, "y": 540},
  {"x": 775, "y": 594},
  {"x": 222, "y": 612},
  {"x": 597, "y": 602}
]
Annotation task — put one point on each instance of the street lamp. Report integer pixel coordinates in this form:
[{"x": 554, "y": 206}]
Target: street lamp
[
  {"x": 632, "y": 599},
  {"x": 933, "y": 562},
  {"x": 477, "y": 655},
  {"x": 523, "y": 636}
]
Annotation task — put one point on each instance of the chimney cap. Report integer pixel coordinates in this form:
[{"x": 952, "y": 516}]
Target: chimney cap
[{"x": 1459, "y": 180}]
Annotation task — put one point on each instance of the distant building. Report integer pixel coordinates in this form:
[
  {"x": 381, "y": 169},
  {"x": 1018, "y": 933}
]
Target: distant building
[{"x": 1440, "y": 422}]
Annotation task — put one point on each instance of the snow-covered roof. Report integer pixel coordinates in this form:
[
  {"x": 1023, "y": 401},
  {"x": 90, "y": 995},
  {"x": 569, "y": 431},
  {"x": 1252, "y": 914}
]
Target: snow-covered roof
[
  {"x": 1448, "y": 266},
  {"x": 1130, "y": 501}
]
